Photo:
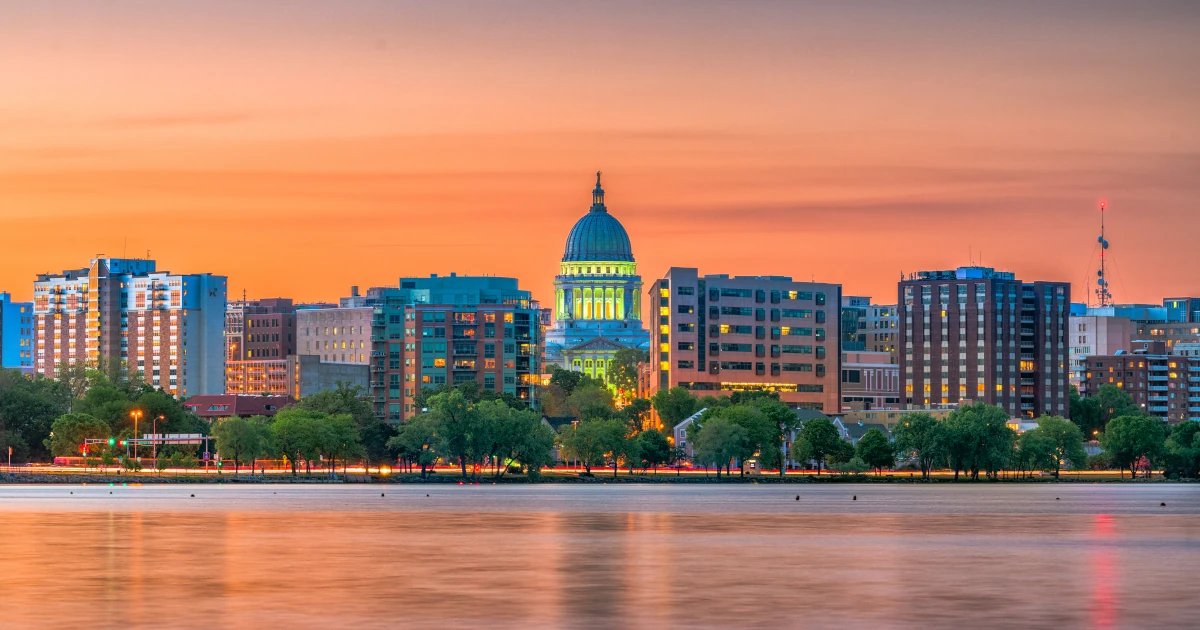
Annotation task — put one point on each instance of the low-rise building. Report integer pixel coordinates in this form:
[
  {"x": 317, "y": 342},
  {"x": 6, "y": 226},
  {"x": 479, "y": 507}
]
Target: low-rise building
[
  {"x": 870, "y": 381},
  {"x": 1164, "y": 385},
  {"x": 213, "y": 407}
]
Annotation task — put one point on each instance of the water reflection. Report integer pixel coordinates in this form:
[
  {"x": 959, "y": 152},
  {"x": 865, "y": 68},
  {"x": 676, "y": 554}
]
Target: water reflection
[{"x": 593, "y": 557}]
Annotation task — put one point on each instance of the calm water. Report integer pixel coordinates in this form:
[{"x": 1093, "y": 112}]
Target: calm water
[{"x": 562, "y": 556}]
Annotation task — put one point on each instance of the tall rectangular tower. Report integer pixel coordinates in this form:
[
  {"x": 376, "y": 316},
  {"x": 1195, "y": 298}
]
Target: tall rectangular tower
[{"x": 977, "y": 334}]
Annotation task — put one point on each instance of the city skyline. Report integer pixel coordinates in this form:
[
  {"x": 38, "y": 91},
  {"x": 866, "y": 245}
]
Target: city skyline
[{"x": 472, "y": 150}]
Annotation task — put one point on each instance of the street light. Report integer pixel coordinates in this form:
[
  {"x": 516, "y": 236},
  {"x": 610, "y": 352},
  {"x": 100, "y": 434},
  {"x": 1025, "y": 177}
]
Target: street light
[
  {"x": 137, "y": 415},
  {"x": 154, "y": 444}
]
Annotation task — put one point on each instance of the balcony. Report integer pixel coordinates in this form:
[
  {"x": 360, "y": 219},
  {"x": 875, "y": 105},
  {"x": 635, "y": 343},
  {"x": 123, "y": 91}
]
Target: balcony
[
  {"x": 1195, "y": 399},
  {"x": 1158, "y": 408},
  {"x": 378, "y": 353},
  {"x": 376, "y": 369},
  {"x": 1194, "y": 409},
  {"x": 1159, "y": 377},
  {"x": 1157, "y": 388},
  {"x": 1157, "y": 398},
  {"x": 1194, "y": 379},
  {"x": 1157, "y": 368},
  {"x": 466, "y": 352}
]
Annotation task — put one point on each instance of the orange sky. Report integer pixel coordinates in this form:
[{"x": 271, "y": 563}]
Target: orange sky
[{"x": 303, "y": 147}]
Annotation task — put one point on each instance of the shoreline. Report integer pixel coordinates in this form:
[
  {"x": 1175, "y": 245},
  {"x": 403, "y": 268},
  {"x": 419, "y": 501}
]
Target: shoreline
[{"x": 77, "y": 479}]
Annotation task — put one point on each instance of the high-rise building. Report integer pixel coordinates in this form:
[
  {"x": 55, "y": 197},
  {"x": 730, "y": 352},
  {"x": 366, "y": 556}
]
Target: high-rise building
[
  {"x": 16, "y": 334},
  {"x": 867, "y": 326},
  {"x": 718, "y": 334},
  {"x": 259, "y": 337},
  {"x": 429, "y": 332},
  {"x": 976, "y": 334},
  {"x": 124, "y": 312},
  {"x": 597, "y": 295}
]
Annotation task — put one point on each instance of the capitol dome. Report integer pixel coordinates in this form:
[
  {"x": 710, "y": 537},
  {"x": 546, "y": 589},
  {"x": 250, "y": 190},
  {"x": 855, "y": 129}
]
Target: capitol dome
[{"x": 598, "y": 235}]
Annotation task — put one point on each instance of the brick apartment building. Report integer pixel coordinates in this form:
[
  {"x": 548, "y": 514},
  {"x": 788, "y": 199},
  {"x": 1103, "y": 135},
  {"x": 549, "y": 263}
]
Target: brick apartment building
[
  {"x": 259, "y": 337},
  {"x": 123, "y": 311},
  {"x": 977, "y": 334}
]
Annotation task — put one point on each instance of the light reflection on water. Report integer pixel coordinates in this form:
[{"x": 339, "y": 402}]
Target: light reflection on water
[{"x": 626, "y": 556}]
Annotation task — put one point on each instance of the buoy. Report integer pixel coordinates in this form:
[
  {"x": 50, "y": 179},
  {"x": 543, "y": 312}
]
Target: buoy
[
  {"x": 72, "y": 493},
  {"x": 1055, "y": 498},
  {"x": 797, "y": 497},
  {"x": 193, "y": 496},
  {"x": 427, "y": 495},
  {"x": 855, "y": 498},
  {"x": 380, "y": 494},
  {"x": 1162, "y": 505}
]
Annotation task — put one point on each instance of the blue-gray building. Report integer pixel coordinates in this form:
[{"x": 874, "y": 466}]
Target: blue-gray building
[{"x": 16, "y": 334}]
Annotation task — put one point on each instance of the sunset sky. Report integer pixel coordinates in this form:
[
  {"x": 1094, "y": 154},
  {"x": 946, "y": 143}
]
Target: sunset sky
[{"x": 302, "y": 147}]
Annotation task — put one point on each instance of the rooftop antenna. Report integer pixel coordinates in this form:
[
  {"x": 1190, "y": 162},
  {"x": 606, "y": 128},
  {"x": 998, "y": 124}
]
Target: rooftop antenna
[{"x": 1102, "y": 293}]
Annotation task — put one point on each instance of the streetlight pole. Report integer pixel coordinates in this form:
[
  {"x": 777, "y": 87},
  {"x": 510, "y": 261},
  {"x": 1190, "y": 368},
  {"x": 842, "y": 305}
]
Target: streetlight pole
[
  {"x": 154, "y": 444},
  {"x": 137, "y": 414}
]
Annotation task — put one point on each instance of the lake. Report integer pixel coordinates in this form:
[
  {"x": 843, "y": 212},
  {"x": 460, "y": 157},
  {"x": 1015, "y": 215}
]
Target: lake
[{"x": 600, "y": 556}]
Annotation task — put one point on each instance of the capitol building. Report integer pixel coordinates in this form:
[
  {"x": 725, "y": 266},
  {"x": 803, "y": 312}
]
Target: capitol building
[{"x": 597, "y": 295}]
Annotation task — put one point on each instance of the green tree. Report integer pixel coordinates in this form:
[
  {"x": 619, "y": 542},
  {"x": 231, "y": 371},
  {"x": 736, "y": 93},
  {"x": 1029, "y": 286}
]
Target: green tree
[
  {"x": 1067, "y": 441},
  {"x": 821, "y": 439},
  {"x": 783, "y": 422},
  {"x": 239, "y": 439},
  {"x": 1183, "y": 449},
  {"x": 587, "y": 441},
  {"x": 1127, "y": 439},
  {"x": 655, "y": 449},
  {"x": 636, "y": 413},
  {"x": 69, "y": 432},
  {"x": 979, "y": 439},
  {"x": 1035, "y": 451},
  {"x": 876, "y": 451},
  {"x": 291, "y": 433},
  {"x": 1085, "y": 412},
  {"x": 717, "y": 442},
  {"x": 762, "y": 433},
  {"x": 373, "y": 432},
  {"x": 590, "y": 402},
  {"x": 673, "y": 405},
  {"x": 465, "y": 437},
  {"x": 567, "y": 380},
  {"x": 1114, "y": 402},
  {"x": 623, "y": 371},
  {"x": 920, "y": 437},
  {"x": 418, "y": 437}
]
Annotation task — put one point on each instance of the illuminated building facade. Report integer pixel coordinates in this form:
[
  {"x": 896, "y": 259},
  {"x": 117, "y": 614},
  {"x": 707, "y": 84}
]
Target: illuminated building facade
[
  {"x": 429, "y": 332},
  {"x": 718, "y": 334},
  {"x": 119, "y": 311},
  {"x": 1163, "y": 385},
  {"x": 16, "y": 334},
  {"x": 597, "y": 295},
  {"x": 259, "y": 337},
  {"x": 869, "y": 327},
  {"x": 977, "y": 334}
]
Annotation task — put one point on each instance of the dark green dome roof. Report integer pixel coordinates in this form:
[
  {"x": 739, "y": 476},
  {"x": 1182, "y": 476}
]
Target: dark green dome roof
[{"x": 598, "y": 235}]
